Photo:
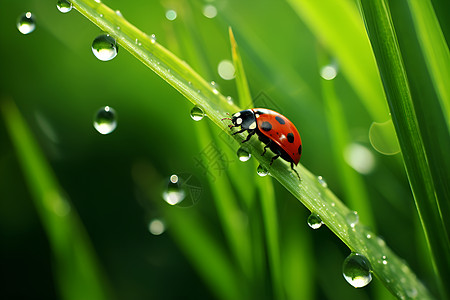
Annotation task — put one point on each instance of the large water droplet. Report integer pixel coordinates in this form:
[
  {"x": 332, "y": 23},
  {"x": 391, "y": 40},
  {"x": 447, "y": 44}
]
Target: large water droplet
[
  {"x": 175, "y": 192},
  {"x": 383, "y": 138},
  {"x": 226, "y": 69},
  {"x": 197, "y": 113},
  {"x": 104, "y": 47},
  {"x": 262, "y": 171},
  {"x": 314, "y": 221},
  {"x": 171, "y": 15},
  {"x": 243, "y": 154},
  {"x": 64, "y": 6},
  {"x": 156, "y": 227},
  {"x": 357, "y": 270},
  {"x": 352, "y": 218},
  {"x": 105, "y": 120},
  {"x": 26, "y": 23}
]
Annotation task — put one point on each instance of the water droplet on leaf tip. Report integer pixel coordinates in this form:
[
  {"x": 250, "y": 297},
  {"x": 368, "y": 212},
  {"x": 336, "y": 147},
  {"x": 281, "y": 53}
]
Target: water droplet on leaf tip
[
  {"x": 262, "y": 171},
  {"x": 357, "y": 270},
  {"x": 26, "y": 23},
  {"x": 243, "y": 155},
  {"x": 197, "y": 113},
  {"x": 104, "y": 47},
  {"x": 105, "y": 120},
  {"x": 64, "y": 6},
  {"x": 314, "y": 221}
]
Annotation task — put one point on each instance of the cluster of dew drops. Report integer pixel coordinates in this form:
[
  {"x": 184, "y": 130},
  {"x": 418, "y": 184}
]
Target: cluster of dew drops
[{"x": 356, "y": 268}]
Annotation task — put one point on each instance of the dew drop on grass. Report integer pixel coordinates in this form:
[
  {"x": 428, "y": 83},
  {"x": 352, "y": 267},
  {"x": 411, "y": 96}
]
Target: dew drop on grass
[
  {"x": 153, "y": 38},
  {"x": 262, "y": 171},
  {"x": 105, "y": 120},
  {"x": 197, "y": 113},
  {"x": 314, "y": 221},
  {"x": 243, "y": 154},
  {"x": 174, "y": 193},
  {"x": 230, "y": 100},
  {"x": 156, "y": 227},
  {"x": 26, "y": 23},
  {"x": 357, "y": 270},
  {"x": 215, "y": 87},
  {"x": 352, "y": 218},
  {"x": 64, "y": 6},
  {"x": 322, "y": 181},
  {"x": 104, "y": 47}
]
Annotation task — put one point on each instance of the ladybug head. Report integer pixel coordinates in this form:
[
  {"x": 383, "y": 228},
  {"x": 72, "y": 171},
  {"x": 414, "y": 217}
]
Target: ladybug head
[{"x": 246, "y": 119}]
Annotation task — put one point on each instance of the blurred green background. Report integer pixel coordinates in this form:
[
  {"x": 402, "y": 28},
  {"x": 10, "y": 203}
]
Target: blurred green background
[{"x": 58, "y": 85}]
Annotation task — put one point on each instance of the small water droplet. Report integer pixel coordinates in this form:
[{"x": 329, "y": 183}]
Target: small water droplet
[
  {"x": 357, "y": 270},
  {"x": 226, "y": 69},
  {"x": 153, "y": 38},
  {"x": 215, "y": 87},
  {"x": 156, "y": 227},
  {"x": 383, "y": 138},
  {"x": 64, "y": 6},
  {"x": 328, "y": 72},
  {"x": 26, "y": 23},
  {"x": 369, "y": 236},
  {"x": 314, "y": 221},
  {"x": 352, "y": 218},
  {"x": 104, "y": 47},
  {"x": 322, "y": 181},
  {"x": 243, "y": 155},
  {"x": 171, "y": 15},
  {"x": 230, "y": 100},
  {"x": 197, "y": 113},
  {"x": 262, "y": 171},
  {"x": 101, "y": 15},
  {"x": 105, "y": 120},
  {"x": 384, "y": 260},
  {"x": 119, "y": 13},
  {"x": 209, "y": 11},
  {"x": 174, "y": 192}
]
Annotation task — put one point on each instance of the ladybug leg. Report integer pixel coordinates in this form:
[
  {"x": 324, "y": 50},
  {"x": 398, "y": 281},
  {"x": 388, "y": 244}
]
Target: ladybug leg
[
  {"x": 265, "y": 148},
  {"x": 292, "y": 167},
  {"x": 250, "y": 133},
  {"x": 240, "y": 131},
  {"x": 273, "y": 158}
]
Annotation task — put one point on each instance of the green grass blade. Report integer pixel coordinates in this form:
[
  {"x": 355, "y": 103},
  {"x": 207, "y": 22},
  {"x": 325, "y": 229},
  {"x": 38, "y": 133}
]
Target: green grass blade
[
  {"x": 396, "y": 275},
  {"x": 77, "y": 271},
  {"x": 338, "y": 25},
  {"x": 390, "y": 62}
]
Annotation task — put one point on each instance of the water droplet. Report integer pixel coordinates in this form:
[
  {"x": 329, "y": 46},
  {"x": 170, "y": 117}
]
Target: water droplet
[
  {"x": 104, "y": 47},
  {"x": 26, "y": 23},
  {"x": 411, "y": 292},
  {"x": 209, "y": 11},
  {"x": 153, "y": 38},
  {"x": 119, "y": 13},
  {"x": 383, "y": 260},
  {"x": 197, "y": 113},
  {"x": 105, "y": 120},
  {"x": 243, "y": 155},
  {"x": 171, "y": 15},
  {"x": 226, "y": 69},
  {"x": 314, "y": 221},
  {"x": 101, "y": 15},
  {"x": 230, "y": 100},
  {"x": 215, "y": 87},
  {"x": 359, "y": 158},
  {"x": 322, "y": 181},
  {"x": 261, "y": 171},
  {"x": 175, "y": 192},
  {"x": 64, "y": 6},
  {"x": 328, "y": 72},
  {"x": 369, "y": 236},
  {"x": 352, "y": 218},
  {"x": 383, "y": 138},
  {"x": 357, "y": 270},
  {"x": 156, "y": 227}
]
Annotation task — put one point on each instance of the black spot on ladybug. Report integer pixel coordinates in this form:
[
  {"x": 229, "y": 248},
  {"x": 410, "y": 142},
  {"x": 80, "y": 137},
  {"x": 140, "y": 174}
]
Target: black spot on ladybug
[
  {"x": 280, "y": 120},
  {"x": 266, "y": 126},
  {"x": 300, "y": 149},
  {"x": 290, "y": 137}
]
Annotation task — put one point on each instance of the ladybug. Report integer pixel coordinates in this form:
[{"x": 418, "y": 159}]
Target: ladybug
[{"x": 273, "y": 129}]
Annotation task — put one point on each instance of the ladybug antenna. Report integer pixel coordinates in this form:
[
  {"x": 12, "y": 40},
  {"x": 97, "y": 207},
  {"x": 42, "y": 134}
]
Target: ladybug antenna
[{"x": 226, "y": 119}]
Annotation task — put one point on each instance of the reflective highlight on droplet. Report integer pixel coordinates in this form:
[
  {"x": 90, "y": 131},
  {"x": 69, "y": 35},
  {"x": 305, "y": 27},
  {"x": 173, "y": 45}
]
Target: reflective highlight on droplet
[
  {"x": 64, "y": 6},
  {"x": 104, "y": 47},
  {"x": 262, "y": 171},
  {"x": 174, "y": 193},
  {"x": 105, "y": 120},
  {"x": 357, "y": 270},
  {"x": 243, "y": 154},
  {"x": 197, "y": 113},
  {"x": 210, "y": 11},
  {"x": 156, "y": 227},
  {"x": 314, "y": 221},
  {"x": 26, "y": 23},
  {"x": 383, "y": 138},
  {"x": 171, "y": 15},
  {"x": 226, "y": 69}
]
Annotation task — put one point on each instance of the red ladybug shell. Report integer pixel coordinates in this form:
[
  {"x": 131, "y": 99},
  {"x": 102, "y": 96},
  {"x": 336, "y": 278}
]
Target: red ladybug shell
[{"x": 280, "y": 130}]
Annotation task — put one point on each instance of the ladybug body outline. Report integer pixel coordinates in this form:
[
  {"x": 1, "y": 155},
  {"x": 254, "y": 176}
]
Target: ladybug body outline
[{"x": 273, "y": 129}]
